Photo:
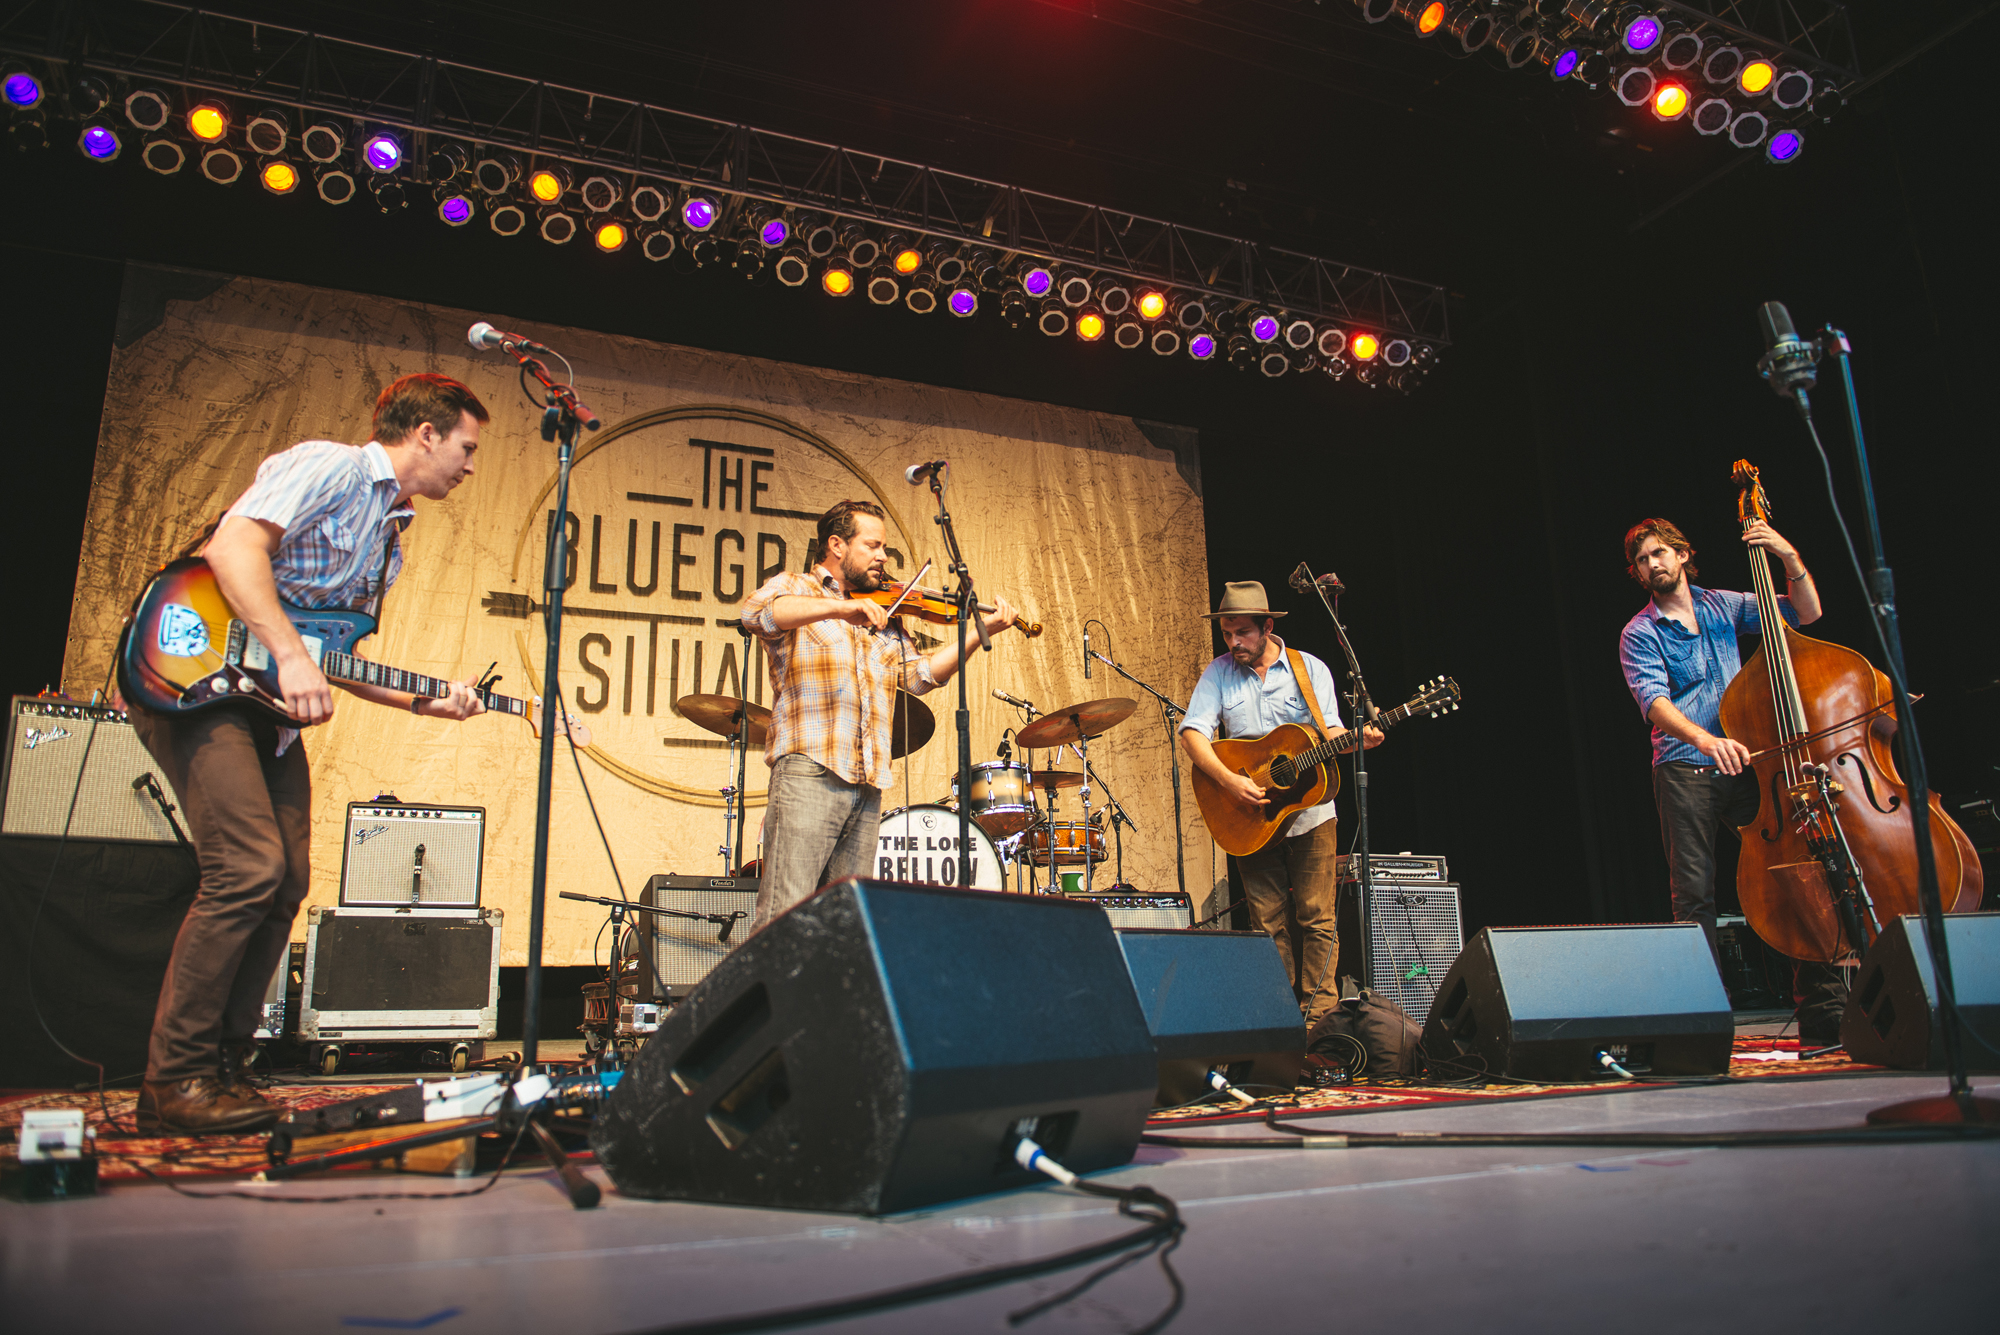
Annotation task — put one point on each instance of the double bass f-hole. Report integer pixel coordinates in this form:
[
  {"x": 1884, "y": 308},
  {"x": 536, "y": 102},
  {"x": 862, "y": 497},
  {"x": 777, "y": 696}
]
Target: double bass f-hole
[{"x": 1868, "y": 784}]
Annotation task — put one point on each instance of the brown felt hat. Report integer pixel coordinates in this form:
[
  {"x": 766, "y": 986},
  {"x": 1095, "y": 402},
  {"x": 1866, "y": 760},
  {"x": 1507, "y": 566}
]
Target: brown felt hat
[{"x": 1243, "y": 598}]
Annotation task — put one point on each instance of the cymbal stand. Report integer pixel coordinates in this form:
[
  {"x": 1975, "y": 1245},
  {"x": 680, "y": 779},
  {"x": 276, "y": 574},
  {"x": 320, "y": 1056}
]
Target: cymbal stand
[
  {"x": 1082, "y": 748},
  {"x": 1045, "y": 821},
  {"x": 736, "y": 796},
  {"x": 1169, "y": 711},
  {"x": 1118, "y": 817}
]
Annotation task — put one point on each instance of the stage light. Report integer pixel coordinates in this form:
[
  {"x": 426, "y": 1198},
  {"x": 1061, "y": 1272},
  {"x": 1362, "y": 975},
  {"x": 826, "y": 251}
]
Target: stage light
[
  {"x": 599, "y": 193},
  {"x": 1828, "y": 102},
  {"x": 1273, "y": 362},
  {"x": 1113, "y": 297},
  {"x": 547, "y": 184},
  {"x": 1426, "y": 16},
  {"x": 163, "y": 155},
  {"x": 705, "y": 249},
  {"x": 1670, "y": 101},
  {"x": 1559, "y": 58},
  {"x": 1263, "y": 326},
  {"x": 1363, "y": 347},
  {"x": 1053, "y": 318},
  {"x": 1152, "y": 304},
  {"x": 883, "y": 289},
  {"x": 1376, "y": 11},
  {"x": 1641, "y": 33},
  {"x": 88, "y": 96},
  {"x": 1089, "y": 326},
  {"x": 861, "y": 249},
  {"x": 1242, "y": 352},
  {"x": 983, "y": 268},
  {"x": 1680, "y": 49},
  {"x": 1720, "y": 64},
  {"x": 1191, "y": 311},
  {"x": 904, "y": 257},
  {"x": 1748, "y": 130},
  {"x": 963, "y": 301},
  {"x": 1425, "y": 358},
  {"x": 389, "y": 192},
  {"x": 99, "y": 142},
  {"x": 1127, "y": 332},
  {"x": 1755, "y": 77},
  {"x": 1396, "y": 352},
  {"x": 1014, "y": 306},
  {"x": 335, "y": 186},
  {"x": 771, "y": 232},
  {"x": 1335, "y": 367},
  {"x": 819, "y": 234},
  {"x": 837, "y": 280},
  {"x": 1785, "y": 146},
  {"x": 1201, "y": 347},
  {"x": 1299, "y": 333},
  {"x": 495, "y": 172},
  {"x": 1367, "y": 373},
  {"x": 278, "y": 176},
  {"x": 222, "y": 165},
  {"x": 148, "y": 109},
  {"x": 922, "y": 296},
  {"x": 1074, "y": 290},
  {"x": 557, "y": 227},
  {"x": 650, "y": 203},
  {"x": 946, "y": 263},
  {"x": 1035, "y": 278},
  {"x": 1470, "y": 25},
  {"x": 454, "y": 208},
  {"x": 1594, "y": 69},
  {"x": 1634, "y": 85},
  {"x": 750, "y": 257},
  {"x": 1166, "y": 340},
  {"x": 208, "y": 121},
  {"x": 22, "y": 90},
  {"x": 507, "y": 218},
  {"x": 1713, "y": 116},
  {"x": 1792, "y": 89},
  {"x": 323, "y": 142},
  {"x": 446, "y": 161},
  {"x": 609, "y": 235},
  {"x": 656, "y": 243},
  {"x": 382, "y": 152},
  {"x": 270, "y": 130},
  {"x": 794, "y": 266},
  {"x": 698, "y": 213},
  {"x": 1332, "y": 342},
  {"x": 1515, "y": 44},
  {"x": 29, "y": 130}
]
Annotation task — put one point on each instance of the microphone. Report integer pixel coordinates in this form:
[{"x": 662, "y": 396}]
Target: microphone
[
  {"x": 1788, "y": 361},
  {"x": 1302, "y": 581},
  {"x": 1005, "y": 751},
  {"x": 485, "y": 338},
  {"x": 916, "y": 473},
  {"x": 143, "y": 781},
  {"x": 1014, "y": 700},
  {"x": 1086, "y": 651},
  {"x": 1330, "y": 581}
]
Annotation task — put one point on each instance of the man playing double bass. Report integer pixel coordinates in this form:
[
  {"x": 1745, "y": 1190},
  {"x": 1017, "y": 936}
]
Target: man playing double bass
[{"x": 1679, "y": 654}]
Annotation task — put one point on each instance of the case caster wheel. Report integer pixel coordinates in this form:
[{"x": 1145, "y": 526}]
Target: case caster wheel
[
  {"x": 461, "y": 1057},
  {"x": 593, "y": 1043},
  {"x": 329, "y": 1059}
]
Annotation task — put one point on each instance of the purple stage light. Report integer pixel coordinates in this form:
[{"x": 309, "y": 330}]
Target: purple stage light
[
  {"x": 1566, "y": 63},
  {"x": 1785, "y": 145},
  {"x": 1201, "y": 347},
  {"x": 23, "y": 90},
  {"x": 775, "y": 232},
  {"x": 1037, "y": 281},
  {"x": 1642, "y": 34},
  {"x": 100, "y": 142},
  {"x": 382, "y": 153},
  {"x": 963, "y": 301},
  {"x": 1264, "y": 328},
  {"x": 698, "y": 213},
  {"x": 456, "y": 210}
]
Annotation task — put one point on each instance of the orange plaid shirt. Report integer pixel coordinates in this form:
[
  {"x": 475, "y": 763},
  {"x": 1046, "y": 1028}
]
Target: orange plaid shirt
[{"x": 834, "y": 683}]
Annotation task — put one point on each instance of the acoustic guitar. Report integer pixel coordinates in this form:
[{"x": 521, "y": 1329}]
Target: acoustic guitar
[
  {"x": 185, "y": 649},
  {"x": 1291, "y": 765}
]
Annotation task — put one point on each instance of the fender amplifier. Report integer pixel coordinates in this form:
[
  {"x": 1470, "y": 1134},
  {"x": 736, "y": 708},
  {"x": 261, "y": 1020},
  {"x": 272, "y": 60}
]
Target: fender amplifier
[
  {"x": 683, "y": 950},
  {"x": 397, "y": 855},
  {"x": 1132, "y": 909},
  {"x": 45, "y": 769}
]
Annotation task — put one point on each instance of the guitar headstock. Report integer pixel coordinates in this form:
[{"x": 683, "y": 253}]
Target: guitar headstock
[
  {"x": 1437, "y": 696},
  {"x": 1751, "y": 502},
  {"x": 567, "y": 725}
]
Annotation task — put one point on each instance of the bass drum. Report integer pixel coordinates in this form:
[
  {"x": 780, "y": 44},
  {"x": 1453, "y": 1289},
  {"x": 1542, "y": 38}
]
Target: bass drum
[{"x": 919, "y": 845}]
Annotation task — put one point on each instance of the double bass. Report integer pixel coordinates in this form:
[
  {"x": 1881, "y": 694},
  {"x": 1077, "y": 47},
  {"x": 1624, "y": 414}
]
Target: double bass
[{"x": 1830, "y": 858}]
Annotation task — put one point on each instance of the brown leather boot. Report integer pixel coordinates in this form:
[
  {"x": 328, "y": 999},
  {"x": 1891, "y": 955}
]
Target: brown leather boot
[
  {"x": 238, "y": 1075},
  {"x": 200, "y": 1105}
]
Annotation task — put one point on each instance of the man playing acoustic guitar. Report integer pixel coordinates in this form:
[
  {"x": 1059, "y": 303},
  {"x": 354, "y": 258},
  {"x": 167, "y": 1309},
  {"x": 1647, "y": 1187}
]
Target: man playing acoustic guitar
[
  {"x": 1256, "y": 686},
  {"x": 318, "y": 529}
]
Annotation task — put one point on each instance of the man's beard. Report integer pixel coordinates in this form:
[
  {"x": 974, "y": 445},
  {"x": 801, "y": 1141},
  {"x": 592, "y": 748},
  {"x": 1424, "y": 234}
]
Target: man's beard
[
  {"x": 1661, "y": 582},
  {"x": 861, "y": 577}
]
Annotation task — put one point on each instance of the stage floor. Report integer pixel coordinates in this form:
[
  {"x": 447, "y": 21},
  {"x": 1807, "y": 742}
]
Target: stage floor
[{"x": 1821, "y": 1239}]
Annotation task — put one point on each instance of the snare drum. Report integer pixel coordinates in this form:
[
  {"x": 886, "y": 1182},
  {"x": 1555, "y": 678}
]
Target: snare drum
[
  {"x": 1001, "y": 801},
  {"x": 918, "y": 844},
  {"x": 1075, "y": 842}
]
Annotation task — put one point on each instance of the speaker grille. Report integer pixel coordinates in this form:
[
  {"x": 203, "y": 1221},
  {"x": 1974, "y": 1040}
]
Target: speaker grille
[
  {"x": 45, "y": 745},
  {"x": 1415, "y": 936},
  {"x": 379, "y": 866},
  {"x": 685, "y": 950}
]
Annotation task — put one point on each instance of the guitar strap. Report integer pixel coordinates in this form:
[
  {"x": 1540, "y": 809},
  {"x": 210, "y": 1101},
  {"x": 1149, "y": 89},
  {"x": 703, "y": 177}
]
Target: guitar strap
[{"x": 1298, "y": 666}]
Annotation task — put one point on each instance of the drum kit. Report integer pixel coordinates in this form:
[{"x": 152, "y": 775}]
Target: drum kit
[{"x": 1016, "y": 829}]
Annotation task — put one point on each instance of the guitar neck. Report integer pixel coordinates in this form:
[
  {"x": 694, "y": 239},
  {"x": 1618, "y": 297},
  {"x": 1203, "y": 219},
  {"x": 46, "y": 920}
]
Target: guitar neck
[
  {"x": 1351, "y": 739},
  {"x": 348, "y": 667}
]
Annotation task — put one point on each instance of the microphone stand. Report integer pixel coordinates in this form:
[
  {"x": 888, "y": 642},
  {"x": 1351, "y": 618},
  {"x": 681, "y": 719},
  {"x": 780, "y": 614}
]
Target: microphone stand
[
  {"x": 1169, "y": 711},
  {"x": 562, "y": 415},
  {"x": 968, "y": 610},
  {"x": 1363, "y": 709},
  {"x": 1792, "y": 376}
]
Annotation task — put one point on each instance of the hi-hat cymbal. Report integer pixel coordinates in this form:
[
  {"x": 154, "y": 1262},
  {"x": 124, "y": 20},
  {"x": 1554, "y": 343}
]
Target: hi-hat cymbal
[
  {"x": 1053, "y": 779},
  {"x": 913, "y": 727},
  {"x": 718, "y": 714},
  {"x": 1073, "y": 723}
]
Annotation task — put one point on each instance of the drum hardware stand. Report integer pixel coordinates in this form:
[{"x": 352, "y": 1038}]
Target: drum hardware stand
[
  {"x": 968, "y": 608},
  {"x": 735, "y": 796},
  {"x": 1117, "y": 810},
  {"x": 1169, "y": 711}
]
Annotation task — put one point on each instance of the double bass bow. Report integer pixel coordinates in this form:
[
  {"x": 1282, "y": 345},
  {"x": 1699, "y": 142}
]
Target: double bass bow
[{"x": 1830, "y": 857}]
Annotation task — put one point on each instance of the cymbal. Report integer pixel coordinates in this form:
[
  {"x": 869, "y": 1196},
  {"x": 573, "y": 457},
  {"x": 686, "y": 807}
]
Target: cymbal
[
  {"x": 717, "y": 713},
  {"x": 1053, "y": 779},
  {"x": 1075, "y": 722},
  {"x": 913, "y": 727}
]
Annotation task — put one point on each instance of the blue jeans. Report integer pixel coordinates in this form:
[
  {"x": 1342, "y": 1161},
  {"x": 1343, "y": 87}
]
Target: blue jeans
[{"x": 819, "y": 829}]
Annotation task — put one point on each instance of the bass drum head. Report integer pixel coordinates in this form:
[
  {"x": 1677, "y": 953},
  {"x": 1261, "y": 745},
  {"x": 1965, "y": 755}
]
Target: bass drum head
[{"x": 918, "y": 845}]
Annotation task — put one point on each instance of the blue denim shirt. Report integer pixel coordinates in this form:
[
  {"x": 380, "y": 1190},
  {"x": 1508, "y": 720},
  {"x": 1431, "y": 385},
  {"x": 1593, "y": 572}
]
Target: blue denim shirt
[
  {"x": 1245, "y": 706},
  {"x": 1663, "y": 658}
]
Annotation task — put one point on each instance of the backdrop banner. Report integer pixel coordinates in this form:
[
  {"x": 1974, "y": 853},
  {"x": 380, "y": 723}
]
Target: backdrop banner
[{"x": 707, "y": 478}]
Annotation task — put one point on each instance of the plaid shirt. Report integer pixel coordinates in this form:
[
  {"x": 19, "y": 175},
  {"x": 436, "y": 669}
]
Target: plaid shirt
[
  {"x": 337, "y": 506},
  {"x": 833, "y": 682}
]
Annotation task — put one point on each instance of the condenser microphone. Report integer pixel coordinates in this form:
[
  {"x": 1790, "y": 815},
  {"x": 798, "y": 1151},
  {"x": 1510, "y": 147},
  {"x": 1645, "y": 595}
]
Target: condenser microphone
[
  {"x": 1301, "y": 580},
  {"x": 1330, "y": 582},
  {"x": 1086, "y": 653},
  {"x": 1015, "y": 700},
  {"x": 485, "y": 337},
  {"x": 916, "y": 473},
  {"x": 1788, "y": 361}
]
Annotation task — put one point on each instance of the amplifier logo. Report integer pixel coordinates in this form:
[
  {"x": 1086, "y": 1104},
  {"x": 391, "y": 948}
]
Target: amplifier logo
[
  {"x": 367, "y": 832},
  {"x": 34, "y": 737}
]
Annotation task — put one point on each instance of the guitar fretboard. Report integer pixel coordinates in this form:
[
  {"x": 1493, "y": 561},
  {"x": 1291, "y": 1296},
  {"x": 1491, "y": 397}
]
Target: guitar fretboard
[
  {"x": 348, "y": 667},
  {"x": 1351, "y": 739}
]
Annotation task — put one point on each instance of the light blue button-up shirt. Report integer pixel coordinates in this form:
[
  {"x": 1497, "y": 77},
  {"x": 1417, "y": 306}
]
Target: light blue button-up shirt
[
  {"x": 1244, "y": 705},
  {"x": 1663, "y": 659}
]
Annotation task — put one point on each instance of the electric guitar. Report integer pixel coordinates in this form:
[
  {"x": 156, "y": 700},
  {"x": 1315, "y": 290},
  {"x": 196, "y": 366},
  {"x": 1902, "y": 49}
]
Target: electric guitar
[
  {"x": 185, "y": 649},
  {"x": 1290, "y": 765}
]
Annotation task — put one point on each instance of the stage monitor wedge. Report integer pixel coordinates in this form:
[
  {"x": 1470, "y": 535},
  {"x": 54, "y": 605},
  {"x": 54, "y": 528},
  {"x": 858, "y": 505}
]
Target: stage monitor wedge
[
  {"x": 1891, "y": 1017},
  {"x": 1216, "y": 1000},
  {"x": 883, "y": 1047},
  {"x": 1540, "y": 1003}
]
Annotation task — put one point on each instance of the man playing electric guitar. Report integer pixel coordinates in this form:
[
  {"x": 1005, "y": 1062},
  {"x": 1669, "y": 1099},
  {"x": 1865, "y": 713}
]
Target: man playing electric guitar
[
  {"x": 318, "y": 528},
  {"x": 1256, "y": 686}
]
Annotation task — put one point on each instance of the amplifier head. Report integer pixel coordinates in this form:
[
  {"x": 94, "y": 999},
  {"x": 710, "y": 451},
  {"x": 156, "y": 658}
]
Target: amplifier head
[{"x": 398, "y": 855}]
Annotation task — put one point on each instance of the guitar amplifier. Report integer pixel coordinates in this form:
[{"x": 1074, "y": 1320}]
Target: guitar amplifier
[
  {"x": 1415, "y": 936},
  {"x": 683, "y": 950},
  {"x": 1393, "y": 867},
  {"x": 46, "y": 741},
  {"x": 398, "y": 855},
  {"x": 400, "y": 974},
  {"x": 1171, "y": 909}
]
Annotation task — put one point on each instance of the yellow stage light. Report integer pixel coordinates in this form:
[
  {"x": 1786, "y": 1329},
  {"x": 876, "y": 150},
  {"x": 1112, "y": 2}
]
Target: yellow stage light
[
  {"x": 280, "y": 178},
  {"x": 1364, "y": 347},
  {"x": 208, "y": 122},
  {"x": 1152, "y": 305}
]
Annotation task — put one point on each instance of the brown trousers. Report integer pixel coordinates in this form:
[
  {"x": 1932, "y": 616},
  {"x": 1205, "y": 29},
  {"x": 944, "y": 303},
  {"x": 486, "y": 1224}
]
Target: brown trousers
[
  {"x": 1295, "y": 881},
  {"x": 249, "y": 812}
]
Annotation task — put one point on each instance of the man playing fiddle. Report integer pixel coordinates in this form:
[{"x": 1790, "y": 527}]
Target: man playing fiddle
[{"x": 837, "y": 660}]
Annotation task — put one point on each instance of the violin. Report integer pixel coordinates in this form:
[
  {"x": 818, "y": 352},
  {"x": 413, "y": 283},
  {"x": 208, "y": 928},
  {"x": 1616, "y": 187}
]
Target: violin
[{"x": 934, "y": 606}]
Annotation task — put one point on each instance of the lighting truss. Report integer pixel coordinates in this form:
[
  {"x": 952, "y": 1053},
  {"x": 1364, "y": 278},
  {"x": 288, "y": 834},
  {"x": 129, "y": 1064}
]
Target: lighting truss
[{"x": 423, "y": 100}]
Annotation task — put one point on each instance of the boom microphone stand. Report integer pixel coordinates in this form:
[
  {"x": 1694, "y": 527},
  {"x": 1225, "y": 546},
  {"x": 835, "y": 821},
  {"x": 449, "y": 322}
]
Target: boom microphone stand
[
  {"x": 1789, "y": 367},
  {"x": 1169, "y": 711}
]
